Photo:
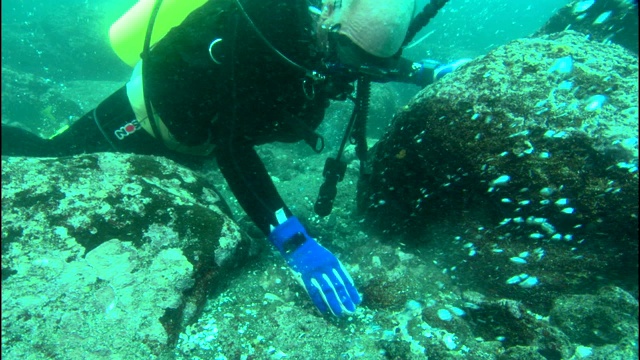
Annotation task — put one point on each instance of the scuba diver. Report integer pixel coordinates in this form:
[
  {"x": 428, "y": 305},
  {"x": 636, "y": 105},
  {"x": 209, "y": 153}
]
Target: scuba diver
[{"x": 240, "y": 73}]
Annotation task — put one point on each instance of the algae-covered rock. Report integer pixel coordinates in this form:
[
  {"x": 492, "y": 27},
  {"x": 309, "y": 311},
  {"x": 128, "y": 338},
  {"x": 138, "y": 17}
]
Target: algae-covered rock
[
  {"x": 606, "y": 318},
  {"x": 531, "y": 149},
  {"x": 35, "y": 103},
  {"x": 521, "y": 353},
  {"x": 602, "y": 20},
  {"x": 44, "y": 106},
  {"x": 516, "y": 326},
  {"x": 108, "y": 255}
]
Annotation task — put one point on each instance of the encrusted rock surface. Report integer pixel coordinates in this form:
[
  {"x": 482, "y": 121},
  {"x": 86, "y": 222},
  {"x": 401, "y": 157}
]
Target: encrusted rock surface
[
  {"x": 112, "y": 256},
  {"x": 108, "y": 256},
  {"x": 608, "y": 317},
  {"x": 514, "y": 150},
  {"x": 604, "y": 20},
  {"x": 43, "y": 105}
]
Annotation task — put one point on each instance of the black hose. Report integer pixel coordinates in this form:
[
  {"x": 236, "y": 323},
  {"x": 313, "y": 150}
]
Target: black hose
[
  {"x": 359, "y": 135},
  {"x": 335, "y": 168},
  {"x": 422, "y": 19}
]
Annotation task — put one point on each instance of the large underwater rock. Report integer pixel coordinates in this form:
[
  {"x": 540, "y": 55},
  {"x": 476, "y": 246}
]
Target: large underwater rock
[
  {"x": 608, "y": 317},
  {"x": 43, "y": 106},
  {"x": 28, "y": 96},
  {"x": 531, "y": 149},
  {"x": 108, "y": 256},
  {"x": 603, "y": 20}
]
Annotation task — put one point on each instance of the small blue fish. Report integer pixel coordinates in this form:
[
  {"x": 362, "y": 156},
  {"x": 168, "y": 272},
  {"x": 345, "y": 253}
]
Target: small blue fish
[
  {"x": 583, "y": 6},
  {"x": 602, "y": 18}
]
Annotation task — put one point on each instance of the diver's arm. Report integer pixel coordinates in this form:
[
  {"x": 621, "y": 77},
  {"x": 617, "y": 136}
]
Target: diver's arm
[
  {"x": 250, "y": 183},
  {"x": 419, "y": 73},
  {"x": 403, "y": 70},
  {"x": 324, "y": 278}
]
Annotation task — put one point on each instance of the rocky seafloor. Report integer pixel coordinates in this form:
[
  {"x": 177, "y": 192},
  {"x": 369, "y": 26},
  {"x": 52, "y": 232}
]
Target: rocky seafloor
[{"x": 500, "y": 222}]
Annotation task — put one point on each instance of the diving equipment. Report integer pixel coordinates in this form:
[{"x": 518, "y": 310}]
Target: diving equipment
[
  {"x": 421, "y": 20},
  {"x": 323, "y": 276},
  {"x": 127, "y": 34},
  {"x": 335, "y": 168}
]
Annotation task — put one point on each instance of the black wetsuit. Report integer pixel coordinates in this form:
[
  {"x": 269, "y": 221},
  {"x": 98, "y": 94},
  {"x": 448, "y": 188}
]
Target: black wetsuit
[{"x": 253, "y": 97}]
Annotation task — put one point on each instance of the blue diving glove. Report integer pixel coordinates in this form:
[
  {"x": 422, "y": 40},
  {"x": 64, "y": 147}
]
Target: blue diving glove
[
  {"x": 422, "y": 72},
  {"x": 445, "y": 69},
  {"x": 316, "y": 268}
]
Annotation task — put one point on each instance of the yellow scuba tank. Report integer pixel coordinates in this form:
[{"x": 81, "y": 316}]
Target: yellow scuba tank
[{"x": 127, "y": 34}]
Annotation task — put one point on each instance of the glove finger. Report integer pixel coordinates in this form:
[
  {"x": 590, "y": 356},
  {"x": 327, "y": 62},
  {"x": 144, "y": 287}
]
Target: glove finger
[
  {"x": 349, "y": 284},
  {"x": 329, "y": 294},
  {"x": 341, "y": 289},
  {"x": 349, "y": 295},
  {"x": 341, "y": 286},
  {"x": 315, "y": 293},
  {"x": 319, "y": 299}
]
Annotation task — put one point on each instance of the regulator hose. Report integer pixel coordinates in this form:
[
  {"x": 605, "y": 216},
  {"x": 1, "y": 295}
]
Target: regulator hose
[{"x": 422, "y": 19}]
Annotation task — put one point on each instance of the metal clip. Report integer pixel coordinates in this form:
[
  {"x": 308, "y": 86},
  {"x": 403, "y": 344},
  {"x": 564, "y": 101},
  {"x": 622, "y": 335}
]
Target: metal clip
[
  {"x": 309, "y": 88},
  {"x": 213, "y": 43},
  {"x": 308, "y": 84}
]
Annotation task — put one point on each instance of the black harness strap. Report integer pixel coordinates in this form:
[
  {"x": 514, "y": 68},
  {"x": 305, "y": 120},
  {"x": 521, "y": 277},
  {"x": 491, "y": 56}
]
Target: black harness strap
[{"x": 146, "y": 55}]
